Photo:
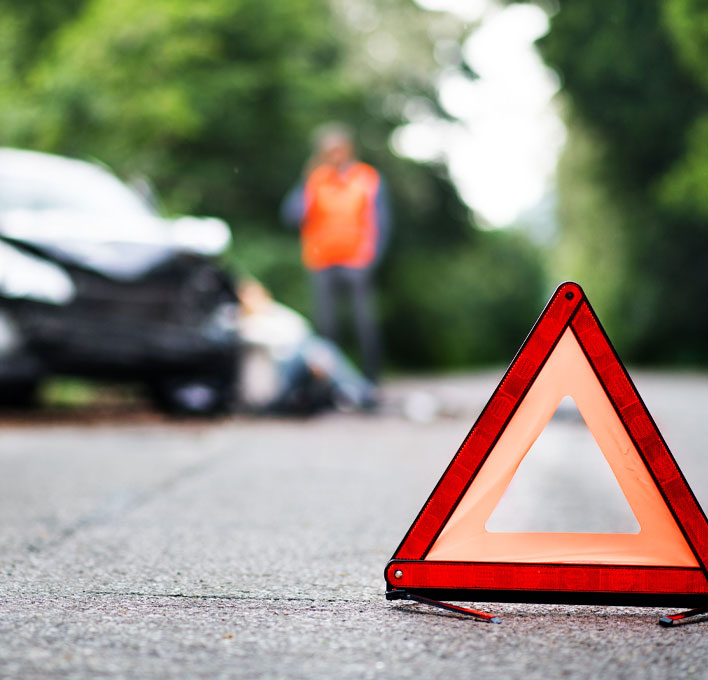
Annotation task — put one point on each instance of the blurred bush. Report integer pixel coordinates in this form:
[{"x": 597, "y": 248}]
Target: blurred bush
[{"x": 473, "y": 304}]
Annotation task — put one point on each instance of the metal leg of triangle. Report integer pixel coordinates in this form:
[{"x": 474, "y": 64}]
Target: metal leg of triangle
[
  {"x": 477, "y": 615},
  {"x": 684, "y": 618}
]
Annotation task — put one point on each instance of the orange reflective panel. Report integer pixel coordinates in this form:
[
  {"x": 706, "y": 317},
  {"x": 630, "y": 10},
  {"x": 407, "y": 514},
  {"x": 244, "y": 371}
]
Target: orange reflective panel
[{"x": 567, "y": 372}]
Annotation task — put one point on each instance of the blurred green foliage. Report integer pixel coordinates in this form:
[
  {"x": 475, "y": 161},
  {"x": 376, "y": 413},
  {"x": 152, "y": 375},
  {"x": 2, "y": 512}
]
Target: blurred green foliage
[
  {"x": 632, "y": 206},
  {"x": 215, "y": 102},
  {"x": 473, "y": 304}
]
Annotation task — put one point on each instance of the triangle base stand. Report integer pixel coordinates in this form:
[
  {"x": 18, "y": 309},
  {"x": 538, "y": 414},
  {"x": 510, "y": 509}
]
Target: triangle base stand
[
  {"x": 477, "y": 615},
  {"x": 684, "y": 618}
]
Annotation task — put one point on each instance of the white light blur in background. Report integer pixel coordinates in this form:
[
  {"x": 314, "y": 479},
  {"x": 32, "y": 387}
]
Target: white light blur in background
[
  {"x": 503, "y": 151},
  {"x": 468, "y": 10}
]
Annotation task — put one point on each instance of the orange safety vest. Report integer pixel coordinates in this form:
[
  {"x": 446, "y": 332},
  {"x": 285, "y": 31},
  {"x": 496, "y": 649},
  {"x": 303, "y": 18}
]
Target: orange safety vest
[{"x": 339, "y": 226}]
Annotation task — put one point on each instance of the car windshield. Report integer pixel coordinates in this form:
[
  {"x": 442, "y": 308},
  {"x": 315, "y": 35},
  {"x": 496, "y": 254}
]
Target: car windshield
[{"x": 66, "y": 186}]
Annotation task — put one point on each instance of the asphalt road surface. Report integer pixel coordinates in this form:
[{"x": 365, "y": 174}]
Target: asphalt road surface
[{"x": 142, "y": 548}]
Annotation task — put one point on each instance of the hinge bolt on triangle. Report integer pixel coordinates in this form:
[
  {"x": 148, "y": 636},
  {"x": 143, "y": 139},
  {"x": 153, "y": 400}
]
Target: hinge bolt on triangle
[{"x": 398, "y": 574}]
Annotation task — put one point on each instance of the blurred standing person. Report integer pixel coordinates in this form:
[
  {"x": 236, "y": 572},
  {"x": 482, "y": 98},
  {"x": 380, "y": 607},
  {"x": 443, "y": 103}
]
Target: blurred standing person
[{"x": 343, "y": 212}]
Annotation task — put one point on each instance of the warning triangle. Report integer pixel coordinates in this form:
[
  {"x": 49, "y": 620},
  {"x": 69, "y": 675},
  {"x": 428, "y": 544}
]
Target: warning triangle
[{"x": 449, "y": 553}]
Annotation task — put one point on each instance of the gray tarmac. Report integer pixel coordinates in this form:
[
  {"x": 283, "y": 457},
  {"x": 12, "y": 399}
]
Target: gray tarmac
[{"x": 245, "y": 548}]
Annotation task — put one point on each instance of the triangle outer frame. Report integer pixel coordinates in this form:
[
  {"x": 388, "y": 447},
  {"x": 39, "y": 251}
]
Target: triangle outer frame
[{"x": 556, "y": 583}]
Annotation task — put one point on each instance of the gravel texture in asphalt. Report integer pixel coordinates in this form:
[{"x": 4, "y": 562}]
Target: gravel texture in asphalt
[{"x": 255, "y": 548}]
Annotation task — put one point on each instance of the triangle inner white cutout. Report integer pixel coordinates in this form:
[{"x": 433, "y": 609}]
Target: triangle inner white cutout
[{"x": 564, "y": 484}]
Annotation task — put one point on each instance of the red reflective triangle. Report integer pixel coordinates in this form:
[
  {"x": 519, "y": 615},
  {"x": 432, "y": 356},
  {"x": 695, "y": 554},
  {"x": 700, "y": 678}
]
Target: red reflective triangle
[{"x": 448, "y": 554}]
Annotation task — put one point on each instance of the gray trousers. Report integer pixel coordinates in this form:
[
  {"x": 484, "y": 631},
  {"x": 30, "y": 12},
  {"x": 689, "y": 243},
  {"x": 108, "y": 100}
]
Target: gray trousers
[{"x": 336, "y": 285}]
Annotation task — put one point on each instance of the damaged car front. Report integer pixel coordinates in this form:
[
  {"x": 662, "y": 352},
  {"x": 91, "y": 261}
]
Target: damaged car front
[{"x": 94, "y": 283}]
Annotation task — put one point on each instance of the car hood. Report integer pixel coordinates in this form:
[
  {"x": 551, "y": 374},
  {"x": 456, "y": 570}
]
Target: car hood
[{"x": 123, "y": 247}]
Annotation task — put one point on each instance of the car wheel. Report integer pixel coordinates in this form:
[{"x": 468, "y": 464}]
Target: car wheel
[{"x": 19, "y": 394}]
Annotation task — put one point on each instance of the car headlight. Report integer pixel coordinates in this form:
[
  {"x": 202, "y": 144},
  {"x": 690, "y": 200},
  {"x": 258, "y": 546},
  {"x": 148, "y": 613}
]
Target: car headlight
[{"x": 26, "y": 276}]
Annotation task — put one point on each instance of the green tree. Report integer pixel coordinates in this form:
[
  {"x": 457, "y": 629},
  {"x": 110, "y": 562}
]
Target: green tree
[{"x": 630, "y": 182}]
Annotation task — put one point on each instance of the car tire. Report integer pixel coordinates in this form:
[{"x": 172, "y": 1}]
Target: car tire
[{"x": 19, "y": 395}]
